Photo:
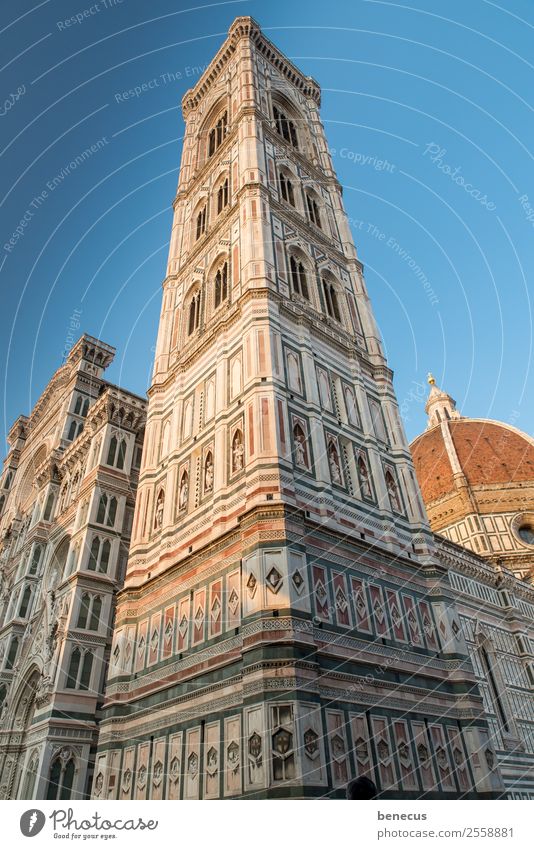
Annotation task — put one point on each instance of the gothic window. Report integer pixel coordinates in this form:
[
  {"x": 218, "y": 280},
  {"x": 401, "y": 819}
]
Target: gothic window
[
  {"x": 285, "y": 127},
  {"x": 496, "y": 697},
  {"x": 2, "y": 502},
  {"x": 61, "y": 776},
  {"x": 286, "y": 189},
  {"x": 79, "y": 673},
  {"x": 183, "y": 491},
  {"x": 49, "y": 506},
  {"x": 238, "y": 452},
  {"x": 158, "y": 515},
  {"x": 116, "y": 452},
  {"x": 331, "y": 300},
  {"x": 30, "y": 777},
  {"x": 25, "y": 603},
  {"x": 217, "y": 134},
  {"x": 393, "y": 492},
  {"x": 299, "y": 282},
  {"x": 313, "y": 210},
  {"x": 221, "y": 285},
  {"x": 364, "y": 478},
  {"x": 300, "y": 447},
  {"x": 194, "y": 314},
  {"x": 107, "y": 510},
  {"x": 83, "y": 614},
  {"x": 72, "y": 430},
  {"x": 35, "y": 560},
  {"x": 201, "y": 223},
  {"x": 208, "y": 472},
  {"x": 99, "y": 555},
  {"x": 90, "y": 611},
  {"x": 222, "y": 196},
  {"x": 12, "y": 653},
  {"x": 81, "y": 406},
  {"x": 9, "y": 478}
]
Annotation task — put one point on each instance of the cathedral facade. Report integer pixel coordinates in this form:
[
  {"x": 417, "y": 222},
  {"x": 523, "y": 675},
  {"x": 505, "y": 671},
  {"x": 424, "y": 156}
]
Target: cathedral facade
[
  {"x": 67, "y": 495},
  {"x": 287, "y": 621}
]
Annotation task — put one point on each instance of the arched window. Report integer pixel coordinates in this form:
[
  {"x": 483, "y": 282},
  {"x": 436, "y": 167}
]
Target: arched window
[
  {"x": 331, "y": 299},
  {"x": 61, "y": 776},
  {"x": 30, "y": 777},
  {"x": 285, "y": 127},
  {"x": 96, "y": 611},
  {"x": 194, "y": 314},
  {"x": 85, "y": 407},
  {"x": 201, "y": 223},
  {"x": 299, "y": 281},
  {"x": 49, "y": 506},
  {"x": 221, "y": 285},
  {"x": 99, "y": 555},
  {"x": 35, "y": 559},
  {"x": 12, "y": 653},
  {"x": 74, "y": 667},
  {"x": 393, "y": 492},
  {"x": 313, "y": 210},
  {"x": 158, "y": 514},
  {"x": 363, "y": 476},
  {"x": 286, "y": 189},
  {"x": 25, "y": 603},
  {"x": 222, "y": 196},
  {"x": 107, "y": 510},
  {"x": 116, "y": 452},
  {"x": 78, "y": 404},
  {"x": 300, "y": 446},
  {"x": 79, "y": 673},
  {"x": 83, "y": 614},
  {"x": 72, "y": 430},
  {"x": 2, "y": 502},
  {"x": 217, "y": 134},
  {"x": 85, "y": 677},
  {"x": 9, "y": 478}
]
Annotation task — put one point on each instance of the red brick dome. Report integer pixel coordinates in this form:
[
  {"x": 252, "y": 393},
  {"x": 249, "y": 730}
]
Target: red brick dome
[{"x": 488, "y": 453}]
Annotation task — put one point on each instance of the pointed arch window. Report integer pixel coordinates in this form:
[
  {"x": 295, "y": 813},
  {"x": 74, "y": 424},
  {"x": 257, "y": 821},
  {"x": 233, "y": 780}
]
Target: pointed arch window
[
  {"x": 222, "y": 196},
  {"x": 2, "y": 502},
  {"x": 221, "y": 285},
  {"x": 24, "y": 606},
  {"x": 83, "y": 614},
  {"x": 116, "y": 452},
  {"x": 331, "y": 300},
  {"x": 8, "y": 479},
  {"x": 286, "y": 189},
  {"x": 194, "y": 314},
  {"x": 49, "y": 506},
  {"x": 313, "y": 210},
  {"x": 12, "y": 653},
  {"x": 35, "y": 559},
  {"x": 285, "y": 127},
  {"x": 299, "y": 280},
  {"x": 99, "y": 555},
  {"x": 364, "y": 478},
  {"x": 107, "y": 510},
  {"x": 217, "y": 134},
  {"x": 201, "y": 223},
  {"x": 79, "y": 672},
  {"x": 61, "y": 776}
]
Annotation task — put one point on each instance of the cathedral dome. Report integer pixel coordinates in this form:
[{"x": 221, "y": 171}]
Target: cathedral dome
[{"x": 476, "y": 478}]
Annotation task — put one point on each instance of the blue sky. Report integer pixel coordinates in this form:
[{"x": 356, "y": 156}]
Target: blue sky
[{"x": 428, "y": 110}]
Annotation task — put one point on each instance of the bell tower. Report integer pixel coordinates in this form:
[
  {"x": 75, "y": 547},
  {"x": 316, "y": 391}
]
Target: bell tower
[{"x": 280, "y": 549}]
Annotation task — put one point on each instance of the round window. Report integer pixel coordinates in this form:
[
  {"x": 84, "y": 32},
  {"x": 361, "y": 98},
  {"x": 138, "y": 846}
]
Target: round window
[{"x": 526, "y": 534}]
